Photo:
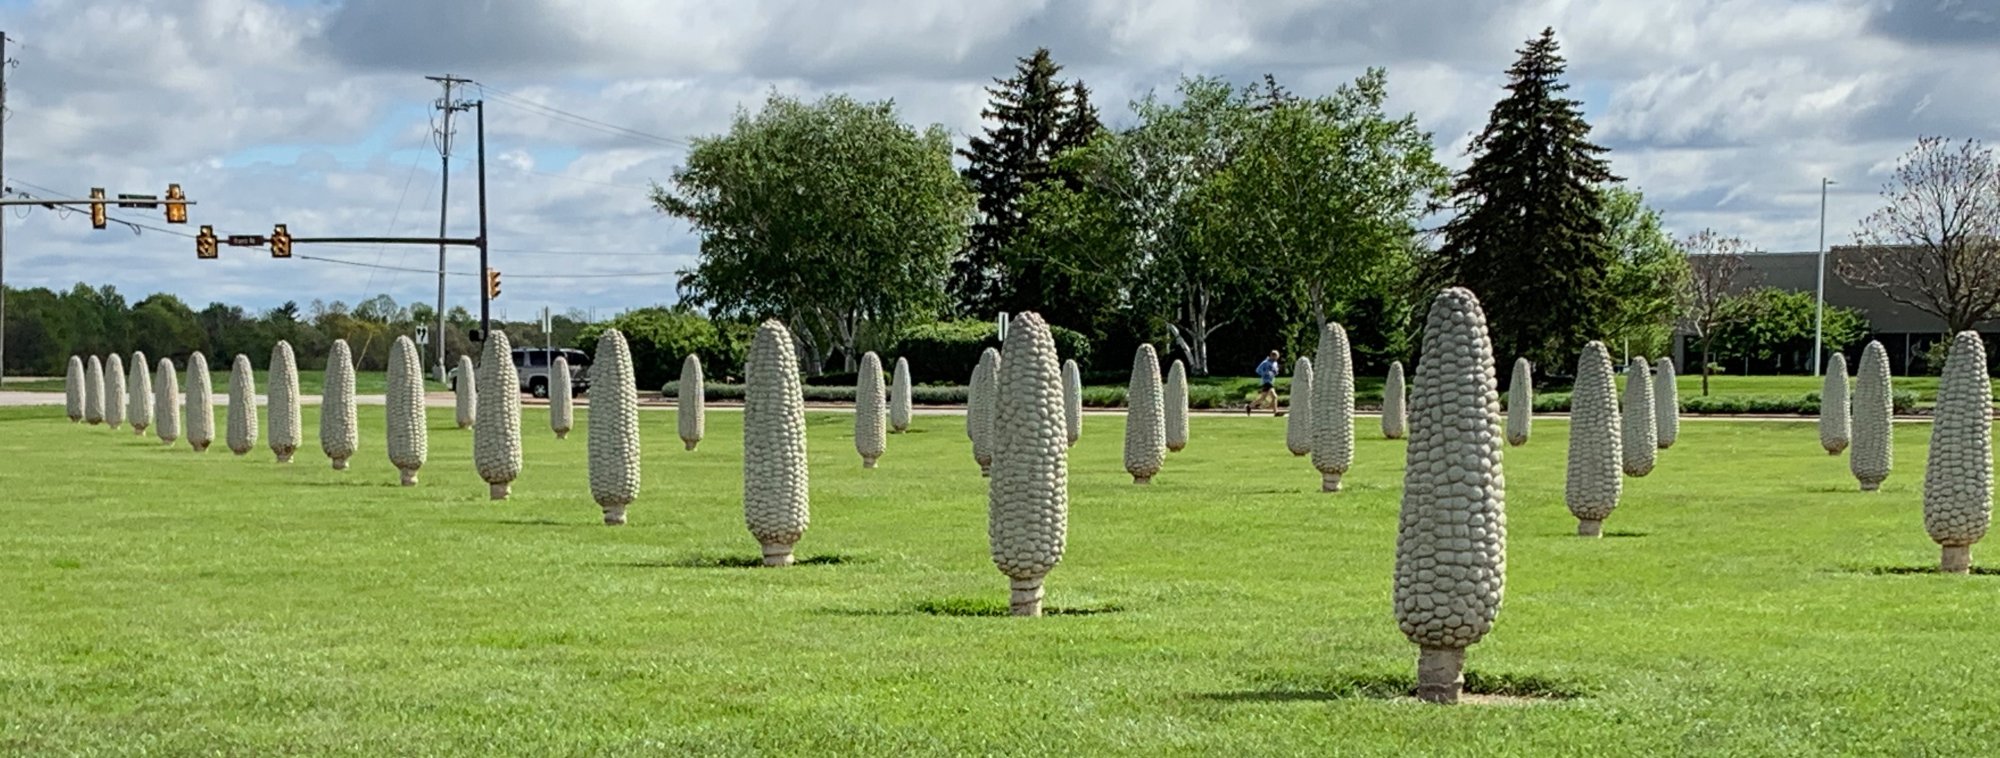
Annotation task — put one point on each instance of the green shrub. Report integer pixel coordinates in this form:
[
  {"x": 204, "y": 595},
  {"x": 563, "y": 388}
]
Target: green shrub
[
  {"x": 947, "y": 351},
  {"x": 823, "y": 394}
]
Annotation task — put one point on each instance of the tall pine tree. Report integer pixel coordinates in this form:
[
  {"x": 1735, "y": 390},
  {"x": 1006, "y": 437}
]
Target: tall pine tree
[
  {"x": 1032, "y": 118},
  {"x": 1529, "y": 236}
]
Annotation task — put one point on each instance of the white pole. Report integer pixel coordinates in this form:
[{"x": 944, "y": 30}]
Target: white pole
[{"x": 1819, "y": 305}]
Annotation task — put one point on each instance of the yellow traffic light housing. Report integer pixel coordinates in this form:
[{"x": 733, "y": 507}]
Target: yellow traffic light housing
[
  {"x": 492, "y": 283},
  {"x": 205, "y": 242},
  {"x": 97, "y": 216},
  {"x": 281, "y": 242},
  {"x": 177, "y": 213}
]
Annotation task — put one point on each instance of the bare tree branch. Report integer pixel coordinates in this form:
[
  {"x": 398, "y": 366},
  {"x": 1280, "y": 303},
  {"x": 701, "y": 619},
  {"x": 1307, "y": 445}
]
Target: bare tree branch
[
  {"x": 1935, "y": 244},
  {"x": 1711, "y": 293}
]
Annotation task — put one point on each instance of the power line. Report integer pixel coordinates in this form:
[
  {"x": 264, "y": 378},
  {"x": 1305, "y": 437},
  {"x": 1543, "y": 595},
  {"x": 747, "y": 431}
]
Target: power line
[
  {"x": 574, "y": 119},
  {"x": 127, "y": 222},
  {"x": 360, "y": 264}
]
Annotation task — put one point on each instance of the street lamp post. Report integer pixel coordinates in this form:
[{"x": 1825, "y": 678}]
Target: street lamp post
[{"x": 1819, "y": 304}]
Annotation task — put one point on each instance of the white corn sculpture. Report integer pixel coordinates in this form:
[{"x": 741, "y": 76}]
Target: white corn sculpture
[
  {"x": 1177, "y": 407},
  {"x": 1873, "y": 406},
  {"x": 339, "y": 432},
  {"x": 1028, "y": 499},
  {"x": 562, "y": 404},
  {"x": 409, "y": 432},
  {"x": 200, "y": 404},
  {"x": 1593, "y": 485},
  {"x": 1333, "y": 407},
  {"x": 466, "y": 392},
  {"x": 1641, "y": 440},
  {"x": 1834, "y": 430},
  {"x": 167, "y": 403},
  {"x": 776, "y": 501},
  {"x": 139, "y": 394},
  {"x": 614, "y": 428},
  {"x": 1958, "y": 477},
  {"x": 1520, "y": 403},
  {"x": 283, "y": 399},
  {"x": 73, "y": 390},
  {"x": 242, "y": 406},
  {"x": 871, "y": 413},
  {"x": 1145, "y": 418},
  {"x": 1395, "y": 416},
  {"x": 692, "y": 397},
  {"x": 1666, "y": 404},
  {"x": 899, "y": 398},
  {"x": 114, "y": 391},
  {"x": 1072, "y": 401},
  {"x": 1451, "y": 540},
  {"x": 93, "y": 391},
  {"x": 496, "y": 433},
  {"x": 979, "y": 409},
  {"x": 1298, "y": 423}
]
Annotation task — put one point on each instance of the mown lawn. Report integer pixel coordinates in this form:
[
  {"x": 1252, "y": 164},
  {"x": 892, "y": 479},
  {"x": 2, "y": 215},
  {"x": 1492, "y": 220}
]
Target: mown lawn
[{"x": 158, "y": 601}]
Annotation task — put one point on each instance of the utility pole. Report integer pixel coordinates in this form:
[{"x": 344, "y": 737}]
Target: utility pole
[
  {"x": 485, "y": 300},
  {"x": 5, "y": 63},
  {"x": 442, "y": 136},
  {"x": 1819, "y": 305}
]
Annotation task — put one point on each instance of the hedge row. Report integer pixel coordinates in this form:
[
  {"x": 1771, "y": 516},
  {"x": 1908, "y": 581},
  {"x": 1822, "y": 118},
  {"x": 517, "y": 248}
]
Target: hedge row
[{"x": 1211, "y": 398}]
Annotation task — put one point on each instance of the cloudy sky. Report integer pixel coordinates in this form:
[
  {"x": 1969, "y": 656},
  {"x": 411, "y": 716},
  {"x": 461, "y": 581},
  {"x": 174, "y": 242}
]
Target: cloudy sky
[{"x": 1725, "y": 112}]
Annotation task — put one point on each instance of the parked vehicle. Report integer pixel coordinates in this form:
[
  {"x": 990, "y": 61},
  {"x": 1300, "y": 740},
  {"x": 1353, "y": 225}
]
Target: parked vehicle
[{"x": 533, "y": 364}]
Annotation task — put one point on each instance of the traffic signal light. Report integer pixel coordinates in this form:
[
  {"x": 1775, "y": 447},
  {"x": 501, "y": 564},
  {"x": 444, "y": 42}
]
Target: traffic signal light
[
  {"x": 281, "y": 242},
  {"x": 177, "y": 213},
  {"x": 492, "y": 283},
  {"x": 97, "y": 207},
  {"x": 204, "y": 243}
]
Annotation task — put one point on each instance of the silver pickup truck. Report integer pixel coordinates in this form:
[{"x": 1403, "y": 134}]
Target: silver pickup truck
[{"x": 533, "y": 364}]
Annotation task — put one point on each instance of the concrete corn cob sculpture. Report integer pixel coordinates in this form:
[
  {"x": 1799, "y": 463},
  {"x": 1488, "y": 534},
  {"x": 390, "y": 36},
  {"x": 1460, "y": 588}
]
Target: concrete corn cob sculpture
[
  {"x": 871, "y": 413},
  {"x": 496, "y": 434},
  {"x": 776, "y": 502},
  {"x": 1592, "y": 488},
  {"x": 283, "y": 398},
  {"x": 693, "y": 397},
  {"x": 242, "y": 432},
  {"x": 1177, "y": 408},
  {"x": 1958, "y": 477},
  {"x": 979, "y": 409},
  {"x": 114, "y": 391},
  {"x": 562, "y": 405},
  {"x": 1333, "y": 407},
  {"x": 1395, "y": 415},
  {"x": 339, "y": 433},
  {"x": 73, "y": 390},
  {"x": 1834, "y": 431},
  {"x": 1641, "y": 441},
  {"x": 465, "y": 393},
  {"x": 166, "y": 403},
  {"x": 1028, "y": 499},
  {"x": 408, "y": 430},
  {"x": 1873, "y": 450},
  {"x": 614, "y": 428},
  {"x": 93, "y": 391},
  {"x": 1451, "y": 541},
  {"x": 1520, "y": 403},
  {"x": 1072, "y": 402},
  {"x": 139, "y": 394},
  {"x": 1298, "y": 423},
  {"x": 200, "y": 404},
  {"x": 1666, "y": 404},
  {"x": 899, "y": 398},
  {"x": 1145, "y": 418}
]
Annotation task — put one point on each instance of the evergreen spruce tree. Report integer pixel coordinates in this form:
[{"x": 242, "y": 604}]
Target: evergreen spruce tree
[
  {"x": 1529, "y": 235},
  {"x": 1032, "y": 118}
]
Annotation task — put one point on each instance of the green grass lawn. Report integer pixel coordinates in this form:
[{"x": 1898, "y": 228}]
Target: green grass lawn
[
  {"x": 311, "y": 383},
  {"x": 158, "y": 601}
]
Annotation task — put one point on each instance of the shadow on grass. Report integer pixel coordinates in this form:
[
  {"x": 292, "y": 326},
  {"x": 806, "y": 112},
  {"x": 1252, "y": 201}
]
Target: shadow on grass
[
  {"x": 545, "y": 522},
  {"x": 739, "y": 562},
  {"x": 971, "y": 608},
  {"x": 1494, "y": 688},
  {"x": 1913, "y": 570},
  {"x": 1614, "y": 535}
]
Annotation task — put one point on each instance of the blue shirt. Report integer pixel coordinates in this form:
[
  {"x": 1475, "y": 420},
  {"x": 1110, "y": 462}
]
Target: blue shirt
[{"x": 1268, "y": 370}]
